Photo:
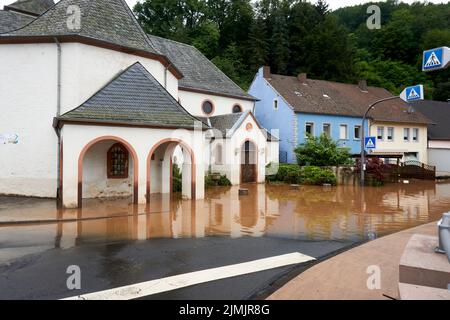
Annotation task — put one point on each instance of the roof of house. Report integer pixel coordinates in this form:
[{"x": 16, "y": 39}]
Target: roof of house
[
  {"x": 33, "y": 7},
  {"x": 134, "y": 97},
  {"x": 439, "y": 113},
  {"x": 199, "y": 73},
  {"x": 9, "y": 20},
  {"x": 333, "y": 98},
  {"x": 227, "y": 124}
]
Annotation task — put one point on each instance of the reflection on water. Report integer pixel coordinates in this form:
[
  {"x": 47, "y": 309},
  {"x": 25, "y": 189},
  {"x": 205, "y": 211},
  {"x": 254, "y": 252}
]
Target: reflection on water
[{"x": 311, "y": 213}]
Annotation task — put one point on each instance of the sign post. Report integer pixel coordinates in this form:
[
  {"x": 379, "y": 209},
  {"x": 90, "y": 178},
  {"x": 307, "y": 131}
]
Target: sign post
[
  {"x": 436, "y": 59},
  {"x": 412, "y": 93}
]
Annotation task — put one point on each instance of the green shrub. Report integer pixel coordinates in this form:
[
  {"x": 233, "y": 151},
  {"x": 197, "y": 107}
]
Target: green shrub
[
  {"x": 224, "y": 181},
  {"x": 176, "y": 178},
  {"x": 318, "y": 176},
  {"x": 209, "y": 181},
  {"x": 288, "y": 173}
]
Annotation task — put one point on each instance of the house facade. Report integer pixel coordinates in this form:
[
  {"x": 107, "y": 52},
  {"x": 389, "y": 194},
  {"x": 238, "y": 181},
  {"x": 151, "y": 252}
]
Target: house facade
[
  {"x": 298, "y": 107},
  {"x": 438, "y": 134},
  {"x": 97, "y": 108}
]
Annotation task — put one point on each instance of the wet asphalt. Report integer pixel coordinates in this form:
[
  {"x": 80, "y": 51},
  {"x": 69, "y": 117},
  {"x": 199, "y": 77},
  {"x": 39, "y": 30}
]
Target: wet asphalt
[{"x": 109, "y": 265}]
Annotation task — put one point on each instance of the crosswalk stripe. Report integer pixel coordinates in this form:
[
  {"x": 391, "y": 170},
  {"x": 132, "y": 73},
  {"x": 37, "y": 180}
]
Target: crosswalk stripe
[{"x": 148, "y": 288}]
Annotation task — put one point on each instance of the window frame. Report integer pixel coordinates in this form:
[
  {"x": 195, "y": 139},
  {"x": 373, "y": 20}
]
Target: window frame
[
  {"x": 387, "y": 134},
  {"x": 109, "y": 164},
  {"x": 360, "y": 132},
  {"x": 346, "y": 131},
  {"x": 237, "y": 105},
  {"x": 329, "y": 128},
  {"x": 312, "y": 128},
  {"x": 382, "y": 130},
  {"x": 409, "y": 134},
  {"x": 213, "y": 108},
  {"x": 415, "y": 130}
]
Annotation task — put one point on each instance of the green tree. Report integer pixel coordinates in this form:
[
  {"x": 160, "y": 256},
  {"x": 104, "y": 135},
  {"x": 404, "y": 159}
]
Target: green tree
[{"x": 321, "y": 151}]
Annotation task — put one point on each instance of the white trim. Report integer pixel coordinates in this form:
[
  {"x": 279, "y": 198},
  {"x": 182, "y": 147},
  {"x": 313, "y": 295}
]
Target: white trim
[{"x": 346, "y": 131}]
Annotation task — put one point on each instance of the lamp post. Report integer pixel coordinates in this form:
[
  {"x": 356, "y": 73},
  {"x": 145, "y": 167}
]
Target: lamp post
[{"x": 363, "y": 158}]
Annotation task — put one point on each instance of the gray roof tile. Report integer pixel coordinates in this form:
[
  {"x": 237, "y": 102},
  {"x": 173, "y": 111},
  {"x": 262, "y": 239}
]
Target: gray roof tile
[
  {"x": 134, "y": 97},
  {"x": 199, "y": 73},
  {"x": 10, "y": 20},
  {"x": 439, "y": 113},
  {"x": 35, "y": 7},
  {"x": 106, "y": 20}
]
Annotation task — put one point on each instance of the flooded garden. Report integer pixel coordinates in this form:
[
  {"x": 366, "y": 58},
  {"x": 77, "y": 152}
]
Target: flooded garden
[{"x": 310, "y": 213}]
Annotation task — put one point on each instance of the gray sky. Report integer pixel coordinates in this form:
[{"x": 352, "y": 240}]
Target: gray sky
[{"x": 334, "y": 4}]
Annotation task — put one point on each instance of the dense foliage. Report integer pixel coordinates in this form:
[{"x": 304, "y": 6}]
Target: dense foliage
[
  {"x": 322, "y": 151},
  {"x": 294, "y": 174},
  {"x": 176, "y": 178},
  {"x": 295, "y": 36},
  {"x": 213, "y": 180}
]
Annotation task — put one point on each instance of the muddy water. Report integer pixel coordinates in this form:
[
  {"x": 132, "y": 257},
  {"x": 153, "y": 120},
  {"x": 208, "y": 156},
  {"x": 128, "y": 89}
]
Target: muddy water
[{"x": 310, "y": 213}]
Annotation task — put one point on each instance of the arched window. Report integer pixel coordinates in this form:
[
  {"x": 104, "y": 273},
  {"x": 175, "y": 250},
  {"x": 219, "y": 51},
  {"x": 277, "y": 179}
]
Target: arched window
[
  {"x": 237, "y": 108},
  {"x": 207, "y": 107},
  {"x": 117, "y": 162},
  {"x": 219, "y": 154}
]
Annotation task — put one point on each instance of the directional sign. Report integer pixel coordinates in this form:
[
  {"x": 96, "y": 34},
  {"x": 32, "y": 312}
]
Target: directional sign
[
  {"x": 413, "y": 93},
  {"x": 435, "y": 59},
  {"x": 370, "y": 142}
]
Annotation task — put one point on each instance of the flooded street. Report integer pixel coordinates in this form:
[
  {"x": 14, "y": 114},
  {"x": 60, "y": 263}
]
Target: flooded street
[{"x": 342, "y": 213}]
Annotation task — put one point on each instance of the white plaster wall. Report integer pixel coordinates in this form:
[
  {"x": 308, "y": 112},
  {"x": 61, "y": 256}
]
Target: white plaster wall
[
  {"x": 95, "y": 179},
  {"x": 231, "y": 166},
  {"x": 27, "y": 107},
  {"x": 398, "y": 144},
  {"x": 28, "y": 89},
  {"x": 86, "y": 69},
  {"x": 193, "y": 101},
  {"x": 75, "y": 137}
]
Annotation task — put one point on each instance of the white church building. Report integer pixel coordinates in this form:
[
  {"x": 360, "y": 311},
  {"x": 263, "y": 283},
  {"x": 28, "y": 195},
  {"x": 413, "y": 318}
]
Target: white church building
[{"x": 92, "y": 106}]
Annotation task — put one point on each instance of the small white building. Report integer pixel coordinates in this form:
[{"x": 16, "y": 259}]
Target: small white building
[{"x": 93, "y": 107}]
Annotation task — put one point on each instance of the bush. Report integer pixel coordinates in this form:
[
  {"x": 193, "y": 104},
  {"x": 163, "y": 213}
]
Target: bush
[
  {"x": 209, "y": 181},
  {"x": 322, "y": 151},
  {"x": 177, "y": 178},
  {"x": 224, "y": 181},
  {"x": 318, "y": 176},
  {"x": 288, "y": 173}
]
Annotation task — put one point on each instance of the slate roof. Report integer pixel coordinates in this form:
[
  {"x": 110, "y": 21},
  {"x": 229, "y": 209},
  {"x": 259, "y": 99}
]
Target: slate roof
[
  {"x": 333, "y": 98},
  {"x": 106, "y": 20},
  {"x": 225, "y": 122},
  {"x": 439, "y": 113},
  {"x": 10, "y": 20},
  {"x": 34, "y": 7},
  {"x": 199, "y": 73},
  {"x": 134, "y": 97}
]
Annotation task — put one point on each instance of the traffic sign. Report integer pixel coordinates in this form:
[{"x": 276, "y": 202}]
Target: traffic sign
[
  {"x": 435, "y": 59},
  {"x": 412, "y": 93},
  {"x": 370, "y": 142}
]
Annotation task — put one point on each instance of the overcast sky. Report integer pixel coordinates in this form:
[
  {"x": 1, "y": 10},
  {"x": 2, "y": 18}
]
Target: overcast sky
[{"x": 334, "y": 4}]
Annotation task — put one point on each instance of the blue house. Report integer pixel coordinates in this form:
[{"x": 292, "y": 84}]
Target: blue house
[{"x": 297, "y": 106}]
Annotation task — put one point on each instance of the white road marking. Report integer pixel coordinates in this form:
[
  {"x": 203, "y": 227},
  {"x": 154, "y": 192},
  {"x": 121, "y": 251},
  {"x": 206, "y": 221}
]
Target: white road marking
[{"x": 147, "y": 288}]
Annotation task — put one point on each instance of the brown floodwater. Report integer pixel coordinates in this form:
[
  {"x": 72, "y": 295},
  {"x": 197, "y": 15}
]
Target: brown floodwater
[{"x": 309, "y": 213}]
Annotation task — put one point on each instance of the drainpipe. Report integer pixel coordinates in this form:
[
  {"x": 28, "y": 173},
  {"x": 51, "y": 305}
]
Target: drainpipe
[
  {"x": 57, "y": 129},
  {"x": 444, "y": 235}
]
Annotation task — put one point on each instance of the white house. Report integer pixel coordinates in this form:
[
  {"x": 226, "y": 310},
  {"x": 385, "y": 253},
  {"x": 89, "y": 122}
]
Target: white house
[{"x": 94, "y": 107}]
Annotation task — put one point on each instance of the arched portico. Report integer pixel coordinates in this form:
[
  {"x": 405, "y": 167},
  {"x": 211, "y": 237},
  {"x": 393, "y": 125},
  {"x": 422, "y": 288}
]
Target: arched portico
[
  {"x": 114, "y": 139},
  {"x": 163, "y": 152}
]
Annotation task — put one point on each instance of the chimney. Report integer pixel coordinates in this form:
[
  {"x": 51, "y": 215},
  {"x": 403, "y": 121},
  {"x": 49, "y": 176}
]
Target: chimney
[
  {"x": 362, "y": 84},
  {"x": 266, "y": 72},
  {"x": 302, "y": 77}
]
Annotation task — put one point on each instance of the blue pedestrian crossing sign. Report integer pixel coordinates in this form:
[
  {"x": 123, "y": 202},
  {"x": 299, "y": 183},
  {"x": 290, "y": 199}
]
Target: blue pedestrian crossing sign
[
  {"x": 436, "y": 59},
  {"x": 412, "y": 93},
  {"x": 370, "y": 142}
]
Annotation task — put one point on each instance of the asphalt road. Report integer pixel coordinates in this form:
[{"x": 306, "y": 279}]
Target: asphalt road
[{"x": 110, "y": 265}]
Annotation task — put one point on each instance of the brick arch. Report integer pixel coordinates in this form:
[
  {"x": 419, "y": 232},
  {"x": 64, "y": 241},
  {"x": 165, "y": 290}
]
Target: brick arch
[
  {"x": 130, "y": 150},
  {"x": 191, "y": 153}
]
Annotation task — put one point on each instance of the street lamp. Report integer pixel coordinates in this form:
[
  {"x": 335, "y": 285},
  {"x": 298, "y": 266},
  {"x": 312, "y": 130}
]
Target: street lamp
[{"x": 412, "y": 93}]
